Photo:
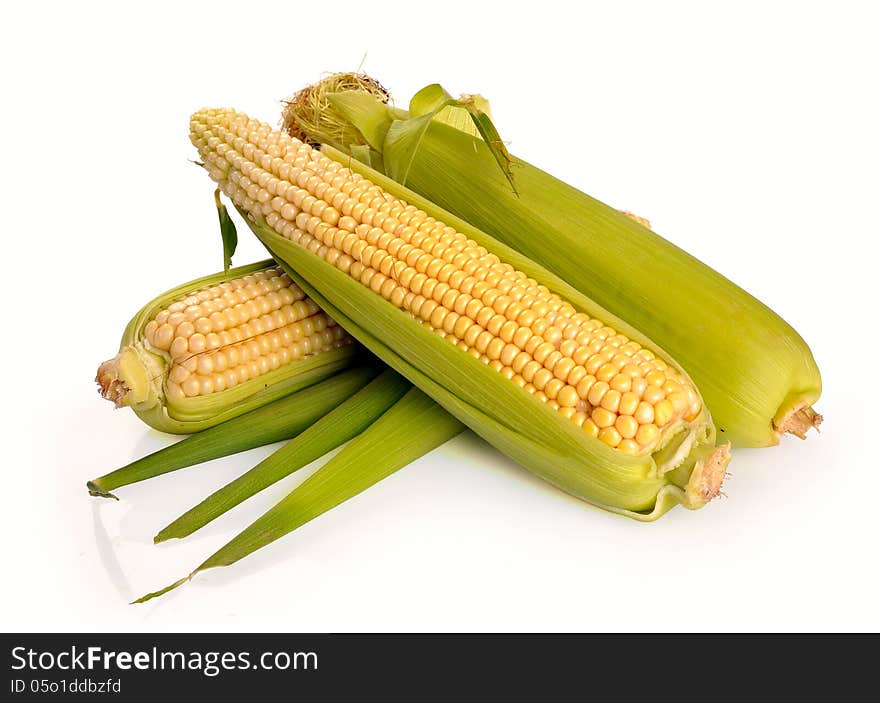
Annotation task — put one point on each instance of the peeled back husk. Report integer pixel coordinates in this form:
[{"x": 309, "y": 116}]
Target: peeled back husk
[
  {"x": 281, "y": 419},
  {"x": 410, "y": 428},
  {"x": 138, "y": 376}
]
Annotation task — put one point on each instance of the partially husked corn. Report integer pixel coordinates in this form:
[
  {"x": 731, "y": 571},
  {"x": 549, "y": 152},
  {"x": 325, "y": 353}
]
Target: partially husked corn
[
  {"x": 502, "y": 344},
  {"x": 219, "y": 346},
  {"x": 611, "y": 386},
  {"x": 237, "y": 330}
]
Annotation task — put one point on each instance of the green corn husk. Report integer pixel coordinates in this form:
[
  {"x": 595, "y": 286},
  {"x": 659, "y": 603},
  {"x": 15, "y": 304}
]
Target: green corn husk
[
  {"x": 756, "y": 373},
  {"x": 537, "y": 437},
  {"x": 279, "y": 420},
  {"x": 686, "y": 468},
  {"x": 136, "y": 376},
  {"x": 412, "y": 427},
  {"x": 348, "y": 420}
]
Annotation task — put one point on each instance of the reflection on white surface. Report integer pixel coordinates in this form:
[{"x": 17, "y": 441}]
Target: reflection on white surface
[{"x": 107, "y": 555}]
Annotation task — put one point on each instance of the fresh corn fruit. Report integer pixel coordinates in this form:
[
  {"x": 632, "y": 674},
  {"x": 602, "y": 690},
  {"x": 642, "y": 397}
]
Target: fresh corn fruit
[
  {"x": 281, "y": 419},
  {"x": 756, "y": 373},
  {"x": 542, "y": 372},
  {"x": 222, "y": 345}
]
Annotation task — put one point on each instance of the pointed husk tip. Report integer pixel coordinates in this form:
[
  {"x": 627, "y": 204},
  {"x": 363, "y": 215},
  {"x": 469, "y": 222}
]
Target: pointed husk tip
[
  {"x": 98, "y": 492},
  {"x": 163, "y": 591}
]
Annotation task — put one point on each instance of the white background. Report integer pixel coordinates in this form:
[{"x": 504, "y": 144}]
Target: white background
[{"x": 746, "y": 132}]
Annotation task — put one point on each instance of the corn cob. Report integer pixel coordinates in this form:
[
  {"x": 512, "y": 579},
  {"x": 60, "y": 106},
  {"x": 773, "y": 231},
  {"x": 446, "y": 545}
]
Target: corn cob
[
  {"x": 281, "y": 419},
  {"x": 539, "y": 370},
  {"x": 219, "y": 346},
  {"x": 756, "y": 373}
]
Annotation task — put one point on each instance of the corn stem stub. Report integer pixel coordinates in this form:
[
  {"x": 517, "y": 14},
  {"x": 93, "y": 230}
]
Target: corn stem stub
[
  {"x": 539, "y": 370},
  {"x": 756, "y": 373},
  {"x": 221, "y": 345}
]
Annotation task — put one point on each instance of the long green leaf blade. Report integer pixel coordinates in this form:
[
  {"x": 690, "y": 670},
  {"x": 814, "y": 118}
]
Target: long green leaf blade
[
  {"x": 349, "y": 419},
  {"x": 409, "y": 429},
  {"x": 228, "y": 233},
  {"x": 281, "y": 419}
]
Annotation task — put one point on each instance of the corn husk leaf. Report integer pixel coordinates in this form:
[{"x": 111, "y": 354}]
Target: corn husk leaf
[
  {"x": 556, "y": 450},
  {"x": 370, "y": 116},
  {"x": 282, "y": 419},
  {"x": 461, "y": 119},
  {"x": 228, "y": 233},
  {"x": 409, "y": 429},
  {"x": 755, "y": 372},
  {"x": 398, "y": 140},
  {"x": 351, "y": 417}
]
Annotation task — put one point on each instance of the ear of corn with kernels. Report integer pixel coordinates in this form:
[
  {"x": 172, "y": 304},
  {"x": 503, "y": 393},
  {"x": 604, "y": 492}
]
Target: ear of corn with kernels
[
  {"x": 222, "y": 345},
  {"x": 756, "y": 373},
  {"x": 539, "y": 370}
]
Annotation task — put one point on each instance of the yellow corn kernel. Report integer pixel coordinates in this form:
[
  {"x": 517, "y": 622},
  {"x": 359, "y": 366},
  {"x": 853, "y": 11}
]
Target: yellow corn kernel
[
  {"x": 629, "y": 403},
  {"x": 603, "y": 418},
  {"x": 611, "y": 400},
  {"x": 647, "y": 434},
  {"x": 644, "y": 413},
  {"x": 663, "y": 412},
  {"x": 628, "y": 446},
  {"x": 590, "y": 427},
  {"x": 262, "y": 318},
  {"x": 627, "y": 426},
  {"x": 610, "y": 436}
]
